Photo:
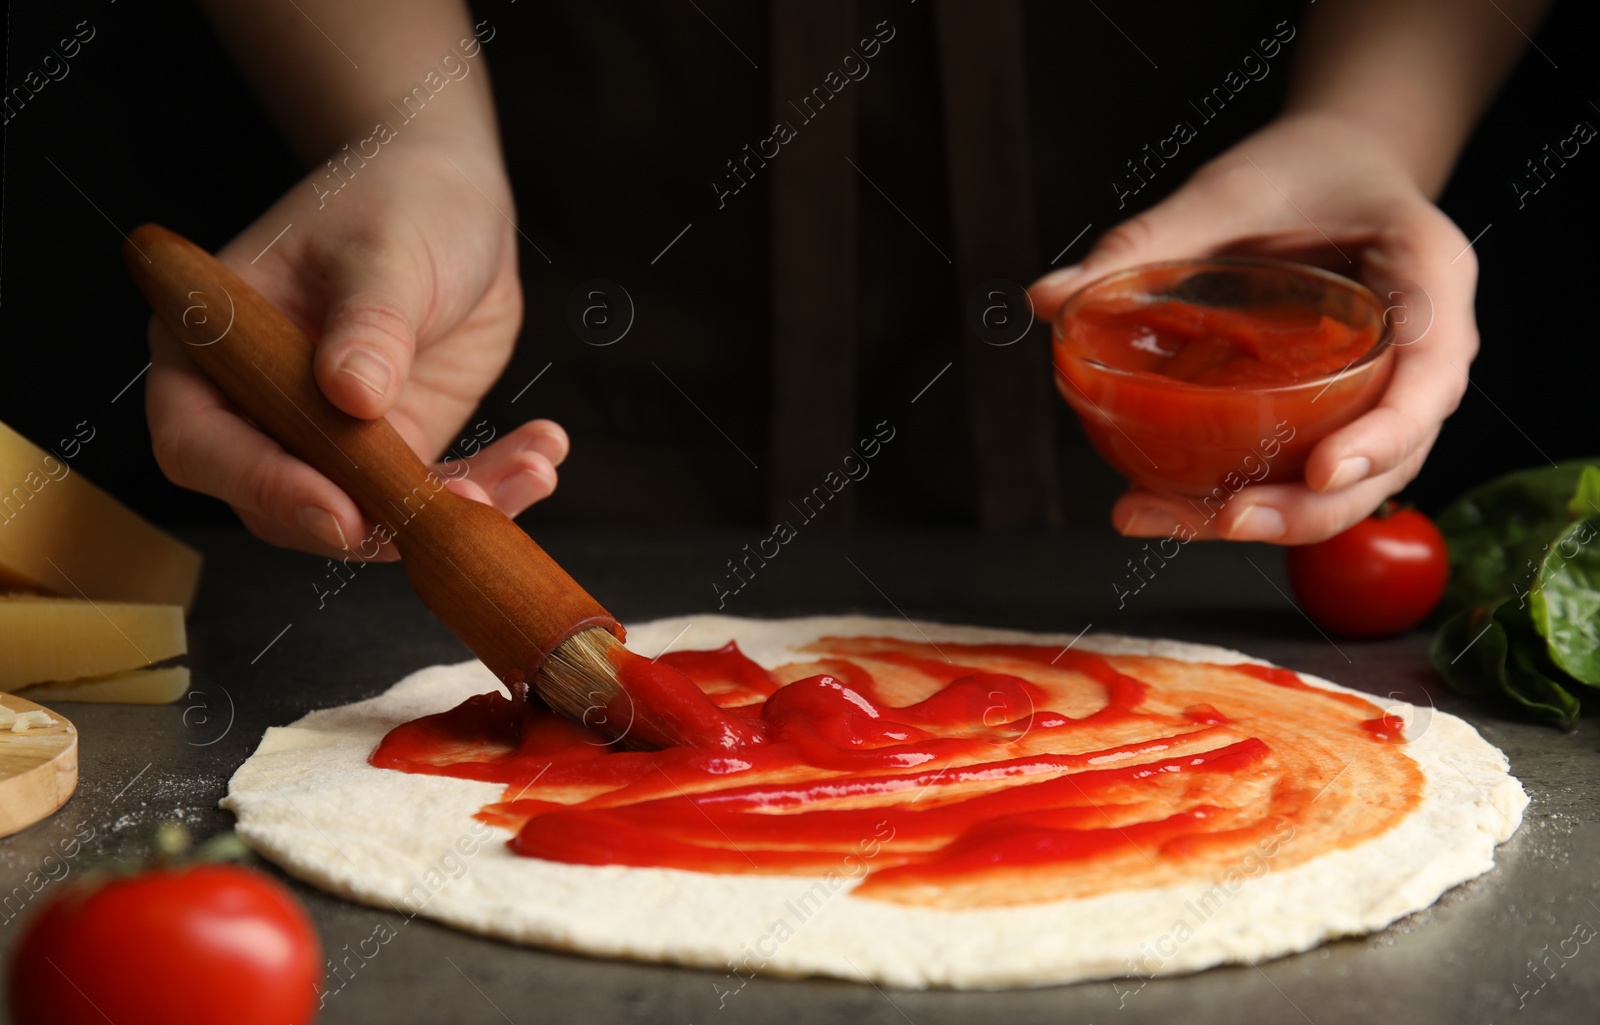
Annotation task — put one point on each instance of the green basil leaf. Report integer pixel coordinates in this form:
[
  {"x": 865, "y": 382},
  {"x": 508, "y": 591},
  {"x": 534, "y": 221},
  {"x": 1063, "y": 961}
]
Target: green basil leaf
[
  {"x": 1497, "y": 532},
  {"x": 1459, "y": 653},
  {"x": 1565, "y": 603},
  {"x": 1493, "y": 651},
  {"x": 1586, "y": 500}
]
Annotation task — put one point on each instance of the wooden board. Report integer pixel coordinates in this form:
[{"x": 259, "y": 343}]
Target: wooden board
[{"x": 38, "y": 767}]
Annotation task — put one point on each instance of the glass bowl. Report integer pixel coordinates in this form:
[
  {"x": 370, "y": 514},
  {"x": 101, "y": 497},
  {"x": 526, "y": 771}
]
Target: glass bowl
[{"x": 1209, "y": 440}]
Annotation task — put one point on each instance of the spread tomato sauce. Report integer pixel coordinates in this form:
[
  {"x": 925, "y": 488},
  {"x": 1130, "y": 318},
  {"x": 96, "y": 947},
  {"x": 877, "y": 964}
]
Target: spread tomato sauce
[{"x": 949, "y": 775}]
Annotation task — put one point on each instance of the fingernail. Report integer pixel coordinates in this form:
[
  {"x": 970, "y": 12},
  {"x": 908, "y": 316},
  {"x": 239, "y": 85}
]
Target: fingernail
[
  {"x": 1258, "y": 523},
  {"x": 1349, "y": 470},
  {"x": 521, "y": 489},
  {"x": 1057, "y": 278},
  {"x": 370, "y": 369},
  {"x": 1149, "y": 522},
  {"x": 541, "y": 438},
  {"x": 324, "y": 526}
]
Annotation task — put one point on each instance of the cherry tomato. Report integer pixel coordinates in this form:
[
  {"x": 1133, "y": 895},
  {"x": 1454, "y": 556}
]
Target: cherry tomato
[
  {"x": 1381, "y": 577},
  {"x": 206, "y": 944}
]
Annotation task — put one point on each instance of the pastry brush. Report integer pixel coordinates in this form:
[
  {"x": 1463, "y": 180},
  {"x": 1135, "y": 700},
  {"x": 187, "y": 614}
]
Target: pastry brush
[{"x": 476, "y": 570}]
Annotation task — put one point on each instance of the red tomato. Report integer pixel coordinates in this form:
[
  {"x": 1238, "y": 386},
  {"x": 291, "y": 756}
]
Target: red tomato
[
  {"x": 206, "y": 944},
  {"x": 1381, "y": 577}
]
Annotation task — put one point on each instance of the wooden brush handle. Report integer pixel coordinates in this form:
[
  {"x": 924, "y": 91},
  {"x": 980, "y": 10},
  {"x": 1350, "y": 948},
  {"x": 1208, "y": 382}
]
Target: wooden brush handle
[{"x": 475, "y": 569}]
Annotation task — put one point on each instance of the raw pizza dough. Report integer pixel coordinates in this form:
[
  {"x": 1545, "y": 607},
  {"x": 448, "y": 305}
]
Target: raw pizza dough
[{"x": 308, "y": 800}]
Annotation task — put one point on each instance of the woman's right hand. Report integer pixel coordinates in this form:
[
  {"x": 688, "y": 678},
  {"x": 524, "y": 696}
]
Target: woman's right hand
[{"x": 406, "y": 281}]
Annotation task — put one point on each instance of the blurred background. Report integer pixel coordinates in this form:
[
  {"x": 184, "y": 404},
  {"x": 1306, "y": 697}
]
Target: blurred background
[{"x": 611, "y": 147}]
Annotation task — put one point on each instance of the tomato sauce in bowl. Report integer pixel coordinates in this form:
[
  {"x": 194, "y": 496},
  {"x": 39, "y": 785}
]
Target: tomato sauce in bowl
[{"x": 1195, "y": 378}]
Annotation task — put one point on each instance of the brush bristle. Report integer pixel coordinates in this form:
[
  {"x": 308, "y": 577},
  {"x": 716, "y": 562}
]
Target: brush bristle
[
  {"x": 578, "y": 675},
  {"x": 580, "y": 681}
]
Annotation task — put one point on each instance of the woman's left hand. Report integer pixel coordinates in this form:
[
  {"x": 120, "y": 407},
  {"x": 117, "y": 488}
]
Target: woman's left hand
[{"x": 1316, "y": 189}]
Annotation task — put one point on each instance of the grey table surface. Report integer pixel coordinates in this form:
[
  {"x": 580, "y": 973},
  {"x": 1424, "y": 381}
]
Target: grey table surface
[{"x": 271, "y": 640}]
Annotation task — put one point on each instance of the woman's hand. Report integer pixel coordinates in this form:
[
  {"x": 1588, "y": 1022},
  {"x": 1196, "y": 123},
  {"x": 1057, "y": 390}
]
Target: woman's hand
[
  {"x": 406, "y": 281},
  {"x": 1317, "y": 189}
]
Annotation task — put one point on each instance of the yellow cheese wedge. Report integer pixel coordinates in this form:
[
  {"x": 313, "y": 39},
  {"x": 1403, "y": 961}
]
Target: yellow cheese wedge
[
  {"x": 59, "y": 534},
  {"x": 56, "y": 639},
  {"x": 159, "y": 686}
]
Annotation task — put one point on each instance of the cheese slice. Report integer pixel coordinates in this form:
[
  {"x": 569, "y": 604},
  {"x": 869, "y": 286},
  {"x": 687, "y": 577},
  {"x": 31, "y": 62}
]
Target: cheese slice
[
  {"x": 57, "y": 639},
  {"x": 22, "y": 722},
  {"x": 159, "y": 686},
  {"x": 59, "y": 534}
]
